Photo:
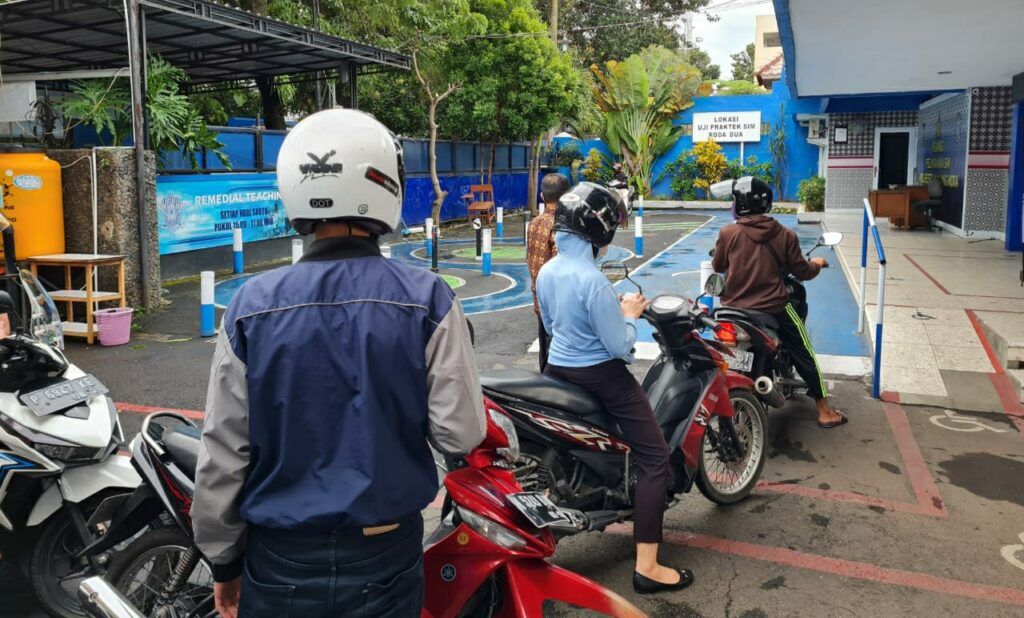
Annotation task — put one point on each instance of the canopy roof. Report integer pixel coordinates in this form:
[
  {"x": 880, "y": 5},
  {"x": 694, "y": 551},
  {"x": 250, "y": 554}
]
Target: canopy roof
[
  {"x": 209, "y": 41},
  {"x": 841, "y": 47}
]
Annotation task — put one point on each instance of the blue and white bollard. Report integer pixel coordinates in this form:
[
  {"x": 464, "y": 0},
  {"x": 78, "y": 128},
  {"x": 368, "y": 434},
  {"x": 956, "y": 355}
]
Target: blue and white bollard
[
  {"x": 638, "y": 234},
  {"x": 236, "y": 244},
  {"x": 487, "y": 253},
  {"x": 207, "y": 323},
  {"x": 705, "y": 272},
  {"x": 429, "y": 228},
  {"x": 640, "y": 208},
  {"x": 499, "y": 216},
  {"x": 297, "y": 250}
]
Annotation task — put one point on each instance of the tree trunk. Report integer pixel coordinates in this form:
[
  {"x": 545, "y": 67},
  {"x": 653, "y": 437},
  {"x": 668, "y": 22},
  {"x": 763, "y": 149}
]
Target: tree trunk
[
  {"x": 439, "y": 193},
  {"x": 273, "y": 108},
  {"x": 490, "y": 164},
  {"x": 531, "y": 185}
]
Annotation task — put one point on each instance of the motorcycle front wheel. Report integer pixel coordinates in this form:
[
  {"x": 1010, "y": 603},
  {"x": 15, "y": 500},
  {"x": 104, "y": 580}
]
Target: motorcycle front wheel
[{"x": 725, "y": 481}]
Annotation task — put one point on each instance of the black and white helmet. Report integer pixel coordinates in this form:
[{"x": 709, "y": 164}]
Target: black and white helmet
[
  {"x": 341, "y": 164},
  {"x": 751, "y": 196},
  {"x": 590, "y": 211}
]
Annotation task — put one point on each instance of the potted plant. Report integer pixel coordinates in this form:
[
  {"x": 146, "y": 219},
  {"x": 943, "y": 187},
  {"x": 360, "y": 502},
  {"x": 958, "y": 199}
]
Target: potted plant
[{"x": 811, "y": 194}]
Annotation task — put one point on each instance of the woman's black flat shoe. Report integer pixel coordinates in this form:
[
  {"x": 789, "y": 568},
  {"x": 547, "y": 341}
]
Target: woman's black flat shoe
[{"x": 646, "y": 585}]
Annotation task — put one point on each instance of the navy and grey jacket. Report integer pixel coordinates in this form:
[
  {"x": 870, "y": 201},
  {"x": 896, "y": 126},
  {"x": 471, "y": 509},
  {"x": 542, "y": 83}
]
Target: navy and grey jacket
[{"x": 328, "y": 378}]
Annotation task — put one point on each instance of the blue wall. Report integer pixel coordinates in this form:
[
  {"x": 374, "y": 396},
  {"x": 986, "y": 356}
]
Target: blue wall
[
  {"x": 509, "y": 193},
  {"x": 801, "y": 157}
]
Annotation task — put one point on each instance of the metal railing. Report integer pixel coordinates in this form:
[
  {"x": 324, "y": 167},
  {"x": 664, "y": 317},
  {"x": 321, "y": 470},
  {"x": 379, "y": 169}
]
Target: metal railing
[{"x": 870, "y": 227}]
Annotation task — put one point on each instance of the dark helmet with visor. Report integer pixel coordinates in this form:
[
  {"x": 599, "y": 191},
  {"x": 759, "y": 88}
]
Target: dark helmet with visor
[
  {"x": 751, "y": 196},
  {"x": 590, "y": 211}
]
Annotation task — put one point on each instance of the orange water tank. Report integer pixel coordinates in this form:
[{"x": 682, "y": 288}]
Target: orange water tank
[{"x": 32, "y": 200}]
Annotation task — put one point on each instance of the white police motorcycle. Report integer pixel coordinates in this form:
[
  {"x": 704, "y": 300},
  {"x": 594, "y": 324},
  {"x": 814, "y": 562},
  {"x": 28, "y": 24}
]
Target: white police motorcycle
[{"x": 61, "y": 477}]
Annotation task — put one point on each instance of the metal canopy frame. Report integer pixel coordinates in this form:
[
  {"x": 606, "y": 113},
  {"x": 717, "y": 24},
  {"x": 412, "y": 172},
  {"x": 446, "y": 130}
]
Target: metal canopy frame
[{"x": 209, "y": 41}]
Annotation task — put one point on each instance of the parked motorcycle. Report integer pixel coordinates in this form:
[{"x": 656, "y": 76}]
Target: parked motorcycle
[
  {"x": 60, "y": 475},
  {"x": 757, "y": 351},
  {"x": 487, "y": 558},
  {"x": 574, "y": 452}
]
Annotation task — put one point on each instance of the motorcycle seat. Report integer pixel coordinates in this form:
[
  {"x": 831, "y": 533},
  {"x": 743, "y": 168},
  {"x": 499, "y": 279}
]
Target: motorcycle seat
[
  {"x": 541, "y": 389},
  {"x": 182, "y": 445},
  {"x": 763, "y": 320}
]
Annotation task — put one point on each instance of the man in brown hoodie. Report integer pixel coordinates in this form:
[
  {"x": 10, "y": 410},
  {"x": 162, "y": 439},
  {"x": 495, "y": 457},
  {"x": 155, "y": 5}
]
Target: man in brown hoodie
[{"x": 755, "y": 252}]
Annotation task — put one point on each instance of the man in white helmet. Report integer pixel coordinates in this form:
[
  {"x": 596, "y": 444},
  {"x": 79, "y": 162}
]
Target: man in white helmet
[{"x": 328, "y": 379}]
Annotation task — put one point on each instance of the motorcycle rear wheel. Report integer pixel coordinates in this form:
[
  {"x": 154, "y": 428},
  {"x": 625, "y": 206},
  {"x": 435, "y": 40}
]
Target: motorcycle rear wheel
[
  {"x": 141, "y": 569},
  {"x": 725, "y": 482}
]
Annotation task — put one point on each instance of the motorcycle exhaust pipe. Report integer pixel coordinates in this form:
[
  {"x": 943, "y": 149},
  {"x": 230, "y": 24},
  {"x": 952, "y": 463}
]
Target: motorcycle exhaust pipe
[
  {"x": 102, "y": 600},
  {"x": 771, "y": 395}
]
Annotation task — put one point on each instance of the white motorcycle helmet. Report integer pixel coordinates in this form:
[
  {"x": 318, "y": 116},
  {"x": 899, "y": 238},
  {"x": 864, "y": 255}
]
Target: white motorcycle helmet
[{"x": 341, "y": 164}]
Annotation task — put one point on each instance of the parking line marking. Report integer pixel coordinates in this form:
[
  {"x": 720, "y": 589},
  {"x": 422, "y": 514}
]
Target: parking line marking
[
  {"x": 838, "y": 566},
  {"x": 928, "y": 500},
  {"x": 137, "y": 409},
  {"x": 921, "y": 480},
  {"x": 992, "y": 357}
]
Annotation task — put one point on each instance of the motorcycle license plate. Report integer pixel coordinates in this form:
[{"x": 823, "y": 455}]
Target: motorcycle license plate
[
  {"x": 536, "y": 507},
  {"x": 63, "y": 395},
  {"x": 741, "y": 360}
]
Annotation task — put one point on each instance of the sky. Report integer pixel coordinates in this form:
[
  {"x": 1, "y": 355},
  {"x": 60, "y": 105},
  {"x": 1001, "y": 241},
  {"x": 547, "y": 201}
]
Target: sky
[{"x": 730, "y": 34}]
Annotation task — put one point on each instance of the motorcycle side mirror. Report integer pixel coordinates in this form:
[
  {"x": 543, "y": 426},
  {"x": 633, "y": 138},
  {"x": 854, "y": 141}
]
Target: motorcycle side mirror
[
  {"x": 715, "y": 285},
  {"x": 614, "y": 271},
  {"x": 617, "y": 271},
  {"x": 830, "y": 239}
]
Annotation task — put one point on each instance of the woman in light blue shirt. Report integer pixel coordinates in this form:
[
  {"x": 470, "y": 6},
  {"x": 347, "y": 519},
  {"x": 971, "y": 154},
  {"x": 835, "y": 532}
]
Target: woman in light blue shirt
[{"x": 593, "y": 331}]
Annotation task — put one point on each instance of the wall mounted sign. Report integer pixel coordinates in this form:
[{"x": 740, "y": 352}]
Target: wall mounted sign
[
  {"x": 727, "y": 126},
  {"x": 841, "y": 135}
]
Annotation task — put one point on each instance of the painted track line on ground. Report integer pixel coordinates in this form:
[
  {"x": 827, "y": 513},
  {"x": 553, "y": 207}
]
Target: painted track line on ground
[{"x": 838, "y": 566}]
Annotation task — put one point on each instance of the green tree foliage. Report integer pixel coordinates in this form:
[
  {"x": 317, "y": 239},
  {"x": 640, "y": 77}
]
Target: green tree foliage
[
  {"x": 515, "y": 82},
  {"x": 172, "y": 121},
  {"x": 734, "y": 87},
  {"x": 603, "y": 30},
  {"x": 639, "y": 98},
  {"x": 743, "y": 64},
  {"x": 700, "y": 59}
]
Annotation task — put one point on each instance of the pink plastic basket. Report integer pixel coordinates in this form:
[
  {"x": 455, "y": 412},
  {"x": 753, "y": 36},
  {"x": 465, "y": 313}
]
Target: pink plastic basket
[{"x": 114, "y": 325}]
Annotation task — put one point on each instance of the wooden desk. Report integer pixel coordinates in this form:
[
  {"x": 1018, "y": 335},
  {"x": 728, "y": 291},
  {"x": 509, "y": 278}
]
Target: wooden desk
[
  {"x": 897, "y": 205},
  {"x": 90, "y": 296}
]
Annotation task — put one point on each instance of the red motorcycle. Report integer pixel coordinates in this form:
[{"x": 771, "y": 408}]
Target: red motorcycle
[
  {"x": 574, "y": 454},
  {"x": 488, "y": 557}
]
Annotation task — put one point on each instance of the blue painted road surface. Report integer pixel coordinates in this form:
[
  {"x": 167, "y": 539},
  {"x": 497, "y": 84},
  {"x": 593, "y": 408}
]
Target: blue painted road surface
[
  {"x": 676, "y": 270},
  {"x": 832, "y": 318}
]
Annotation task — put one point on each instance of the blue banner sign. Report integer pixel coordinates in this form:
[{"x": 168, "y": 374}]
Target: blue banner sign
[{"x": 200, "y": 211}]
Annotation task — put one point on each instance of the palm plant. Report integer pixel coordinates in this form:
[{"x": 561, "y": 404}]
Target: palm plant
[
  {"x": 173, "y": 122},
  {"x": 639, "y": 97}
]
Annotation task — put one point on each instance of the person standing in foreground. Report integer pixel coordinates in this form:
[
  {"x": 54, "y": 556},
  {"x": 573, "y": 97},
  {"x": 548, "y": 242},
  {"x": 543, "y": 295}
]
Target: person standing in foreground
[
  {"x": 592, "y": 336},
  {"x": 755, "y": 252},
  {"x": 541, "y": 247},
  {"x": 327, "y": 379}
]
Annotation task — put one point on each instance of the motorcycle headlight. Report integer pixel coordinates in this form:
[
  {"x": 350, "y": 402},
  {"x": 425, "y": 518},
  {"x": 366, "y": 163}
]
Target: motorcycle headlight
[
  {"x": 491, "y": 530},
  {"x": 512, "y": 452}
]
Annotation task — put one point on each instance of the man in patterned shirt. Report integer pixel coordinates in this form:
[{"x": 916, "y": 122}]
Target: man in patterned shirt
[{"x": 541, "y": 247}]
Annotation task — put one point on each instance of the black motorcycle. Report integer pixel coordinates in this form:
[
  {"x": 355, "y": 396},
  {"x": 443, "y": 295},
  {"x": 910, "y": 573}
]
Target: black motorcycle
[{"x": 753, "y": 338}]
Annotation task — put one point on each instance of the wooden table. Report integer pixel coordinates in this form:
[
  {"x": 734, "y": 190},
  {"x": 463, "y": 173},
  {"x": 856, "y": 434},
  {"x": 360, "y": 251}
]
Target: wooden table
[
  {"x": 90, "y": 296},
  {"x": 898, "y": 205}
]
